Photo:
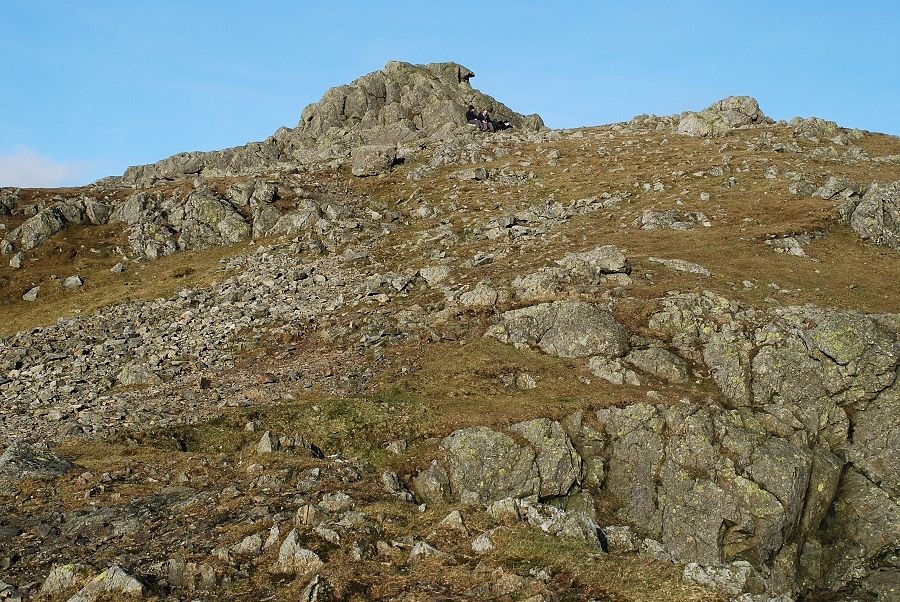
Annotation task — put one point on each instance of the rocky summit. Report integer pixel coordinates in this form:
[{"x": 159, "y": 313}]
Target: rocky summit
[{"x": 385, "y": 355}]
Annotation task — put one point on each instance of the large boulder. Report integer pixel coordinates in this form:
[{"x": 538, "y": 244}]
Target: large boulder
[
  {"x": 563, "y": 329},
  {"x": 721, "y": 117},
  {"x": 9, "y": 198},
  {"x": 877, "y": 216},
  {"x": 709, "y": 485},
  {"x": 206, "y": 220},
  {"x": 40, "y": 227},
  {"x": 485, "y": 465}
]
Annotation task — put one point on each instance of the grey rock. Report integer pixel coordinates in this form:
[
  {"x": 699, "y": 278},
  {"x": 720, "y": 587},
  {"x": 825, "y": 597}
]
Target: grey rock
[
  {"x": 73, "y": 282},
  {"x": 877, "y": 216},
  {"x": 721, "y": 117},
  {"x": 470, "y": 173},
  {"x": 543, "y": 285},
  {"x": 661, "y": 363},
  {"x": 113, "y": 580},
  {"x": 23, "y": 459},
  {"x": 393, "y": 485},
  {"x": 559, "y": 465},
  {"x": 613, "y": 370},
  {"x": 432, "y": 485},
  {"x": 790, "y": 245},
  {"x": 596, "y": 263},
  {"x": 483, "y": 296},
  {"x": 422, "y": 551},
  {"x": 484, "y": 465},
  {"x": 210, "y": 221},
  {"x": 838, "y": 188},
  {"x": 31, "y": 294},
  {"x": 294, "y": 558},
  {"x": 563, "y": 329},
  {"x": 372, "y": 160},
  {"x": 317, "y": 590},
  {"x": 15, "y": 262},
  {"x": 62, "y": 578},
  {"x": 137, "y": 373},
  {"x": 435, "y": 275},
  {"x": 97, "y": 213},
  {"x": 249, "y": 547},
  {"x": 9, "y": 198},
  {"x": 294, "y": 222},
  {"x": 732, "y": 579},
  {"x": 453, "y": 522},
  {"x": 268, "y": 443},
  {"x": 399, "y": 103},
  {"x": 39, "y": 228}
]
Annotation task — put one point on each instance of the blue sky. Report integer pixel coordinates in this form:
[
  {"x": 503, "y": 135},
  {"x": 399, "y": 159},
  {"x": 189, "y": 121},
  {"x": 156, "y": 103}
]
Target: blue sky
[{"x": 90, "y": 87}]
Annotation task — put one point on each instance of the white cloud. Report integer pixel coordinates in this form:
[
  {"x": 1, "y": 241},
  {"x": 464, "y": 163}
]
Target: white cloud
[{"x": 25, "y": 168}]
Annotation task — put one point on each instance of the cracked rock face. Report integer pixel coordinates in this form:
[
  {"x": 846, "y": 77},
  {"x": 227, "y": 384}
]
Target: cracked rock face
[{"x": 877, "y": 216}]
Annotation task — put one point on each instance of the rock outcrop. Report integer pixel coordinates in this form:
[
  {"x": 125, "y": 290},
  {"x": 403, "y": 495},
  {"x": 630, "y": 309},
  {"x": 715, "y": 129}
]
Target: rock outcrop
[
  {"x": 399, "y": 104},
  {"x": 877, "y": 216},
  {"x": 721, "y": 117}
]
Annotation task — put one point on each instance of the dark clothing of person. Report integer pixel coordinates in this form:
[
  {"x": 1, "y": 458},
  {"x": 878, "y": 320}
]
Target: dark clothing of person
[
  {"x": 472, "y": 118},
  {"x": 486, "y": 120}
]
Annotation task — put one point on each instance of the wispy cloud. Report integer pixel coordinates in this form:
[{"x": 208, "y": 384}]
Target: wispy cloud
[{"x": 25, "y": 167}]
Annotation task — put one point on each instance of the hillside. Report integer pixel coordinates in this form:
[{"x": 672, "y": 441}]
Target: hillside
[{"x": 385, "y": 356}]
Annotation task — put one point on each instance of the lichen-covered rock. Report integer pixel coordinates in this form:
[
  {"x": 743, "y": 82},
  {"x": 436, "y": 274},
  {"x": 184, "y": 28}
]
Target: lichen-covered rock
[
  {"x": 563, "y": 329},
  {"x": 9, "y": 198},
  {"x": 63, "y": 577},
  {"x": 559, "y": 465},
  {"x": 733, "y": 579},
  {"x": 721, "y": 117},
  {"x": 485, "y": 465},
  {"x": 206, "y": 220},
  {"x": 838, "y": 188},
  {"x": 294, "y": 558},
  {"x": 372, "y": 159},
  {"x": 114, "y": 580},
  {"x": 432, "y": 485},
  {"x": 661, "y": 363},
  {"x": 137, "y": 373},
  {"x": 400, "y": 102},
  {"x": 613, "y": 370},
  {"x": 23, "y": 459},
  {"x": 39, "y": 228},
  {"x": 594, "y": 264},
  {"x": 730, "y": 494},
  {"x": 877, "y": 216}
]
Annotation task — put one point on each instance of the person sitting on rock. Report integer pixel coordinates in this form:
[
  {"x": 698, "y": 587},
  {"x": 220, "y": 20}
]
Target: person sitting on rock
[
  {"x": 486, "y": 120},
  {"x": 472, "y": 118}
]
